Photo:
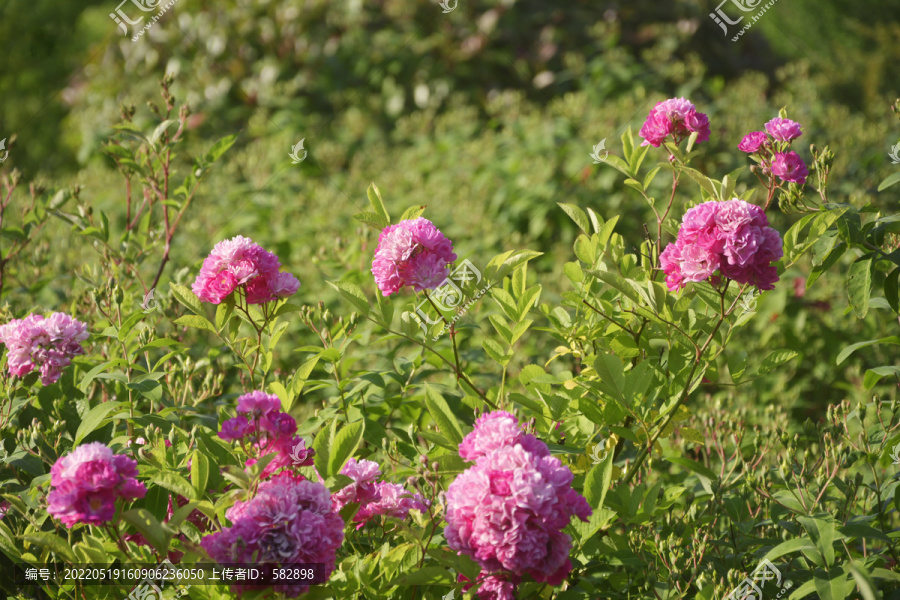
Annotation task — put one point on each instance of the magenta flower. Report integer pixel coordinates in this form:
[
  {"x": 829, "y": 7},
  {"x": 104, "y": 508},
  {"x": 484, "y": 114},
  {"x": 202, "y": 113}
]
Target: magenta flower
[
  {"x": 47, "y": 344},
  {"x": 732, "y": 238},
  {"x": 753, "y": 141},
  {"x": 508, "y": 511},
  {"x": 784, "y": 130},
  {"x": 790, "y": 167},
  {"x": 86, "y": 483},
  {"x": 241, "y": 263},
  {"x": 289, "y": 521},
  {"x": 676, "y": 117},
  {"x": 414, "y": 253},
  {"x": 261, "y": 424},
  {"x": 374, "y": 497}
]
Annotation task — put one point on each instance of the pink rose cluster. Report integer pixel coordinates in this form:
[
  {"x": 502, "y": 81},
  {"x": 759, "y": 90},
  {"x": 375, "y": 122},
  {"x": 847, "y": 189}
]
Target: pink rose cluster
[
  {"x": 413, "y": 252},
  {"x": 731, "y": 237},
  {"x": 771, "y": 148},
  {"x": 86, "y": 484},
  {"x": 241, "y": 263},
  {"x": 508, "y": 511},
  {"x": 374, "y": 497},
  {"x": 290, "y": 521},
  {"x": 267, "y": 430},
  {"x": 42, "y": 343},
  {"x": 674, "y": 117}
]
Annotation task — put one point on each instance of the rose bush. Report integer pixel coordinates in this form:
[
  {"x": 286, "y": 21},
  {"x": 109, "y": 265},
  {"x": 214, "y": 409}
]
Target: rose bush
[{"x": 401, "y": 464}]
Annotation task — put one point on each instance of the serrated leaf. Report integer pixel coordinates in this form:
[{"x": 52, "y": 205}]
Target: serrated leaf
[
  {"x": 196, "y": 322},
  {"x": 371, "y": 219},
  {"x": 377, "y": 203},
  {"x": 53, "y": 543},
  {"x": 775, "y": 359},
  {"x": 149, "y": 527},
  {"x": 353, "y": 293},
  {"x": 859, "y": 286},
  {"x": 96, "y": 419},
  {"x": 345, "y": 443},
  {"x": 444, "y": 418}
]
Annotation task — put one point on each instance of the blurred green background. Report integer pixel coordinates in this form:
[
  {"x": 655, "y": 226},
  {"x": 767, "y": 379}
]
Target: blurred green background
[{"x": 486, "y": 114}]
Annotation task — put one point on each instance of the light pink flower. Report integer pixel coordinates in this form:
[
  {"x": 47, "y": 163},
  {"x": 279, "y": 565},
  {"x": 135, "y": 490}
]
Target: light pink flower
[
  {"x": 784, "y": 130},
  {"x": 241, "y": 263},
  {"x": 508, "y": 511},
  {"x": 790, "y": 167},
  {"x": 732, "y": 238},
  {"x": 290, "y": 521},
  {"x": 411, "y": 253},
  {"x": 86, "y": 483},
  {"x": 42, "y": 343}
]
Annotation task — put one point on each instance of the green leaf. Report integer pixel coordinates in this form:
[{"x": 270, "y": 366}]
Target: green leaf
[
  {"x": 859, "y": 286},
  {"x": 596, "y": 483},
  {"x": 53, "y": 543},
  {"x": 873, "y": 376},
  {"x": 576, "y": 214},
  {"x": 413, "y": 212},
  {"x": 832, "y": 585},
  {"x": 822, "y": 532},
  {"x": 789, "y": 547},
  {"x": 220, "y": 148},
  {"x": 891, "y": 293},
  {"x": 93, "y": 373},
  {"x": 175, "y": 483},
  {"x": 611, "y": 372},
  {"x": 440, "y": 411},
  {"x": 776, "y": 358},
  {"x": 323, "y": 444},
  {"x": 195, "y": 321},
  {"x": 185, "y": 296},
  {"x": 199, "y": 473},
  {"x": 377, "y": 203},
  {"x": 854, "y": 347},
  {"x": 301, "y": 376},
  {"x": 96, "y": 419},
  {"x": 495, "y": 351},
  {"x": 345, "y": 442},
  {"x": 353, "y": 293},
  {"x": 149, "y": 527},
  {"x": 864, "y": 582},
  {"x": 371, "y": 219},
  {"x": 889, "y": 181}
]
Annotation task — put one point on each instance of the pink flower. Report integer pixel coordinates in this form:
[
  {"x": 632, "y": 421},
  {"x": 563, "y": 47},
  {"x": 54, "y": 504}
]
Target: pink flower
[
  {"x": 676, "y": 117},
  {"x": 374, "y": 497},
  {"x": 783, "y": 130},
  {"x": 413, "y": 252},
  {"x": 257, "y": 403},
  {"x": 753, "y": 141},
  {"x": 267, "y": 431},
  {"x": 508, "y": 511},
  {"x": 87, "y": 482},
  {"x": 365, "y": 474},
  {"x": 790, "y": 167},
  {"x": 289, "y": 521},
  {"x": 389, "y": 500},
  {"x": 42, "y": 343},
  {"x": 241, "y": 263},
  {"x": 732, "y": 238}
]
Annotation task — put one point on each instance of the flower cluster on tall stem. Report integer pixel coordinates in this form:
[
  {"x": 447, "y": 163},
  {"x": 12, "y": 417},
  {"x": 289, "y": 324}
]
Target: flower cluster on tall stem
[{"x": 771, "y": 150}]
